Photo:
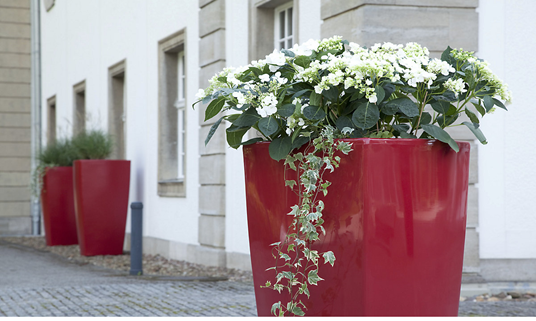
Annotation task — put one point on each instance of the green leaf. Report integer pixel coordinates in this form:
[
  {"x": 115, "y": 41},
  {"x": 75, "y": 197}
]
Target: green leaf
[
  {"x": 299, "y": 142},
  {"x": 314, "y": 112},
  {"x": 297, "y": 311},
  {"x": 478, "y": 133},
  {"x": 299, "y": 93},
  {"x": 445, "y": 120},
  {"x": 488, "y": 103},
  {"x": 234, "y": 136},
  {"x": 268, "y": 125},
  {"x": 313, "y": 277},
  {"x": 214, "y": 107},
  {"x": 315, "y": 99},
  {"x": 288, "y": 53},
  {"x": 402, "y": 128},
  {"x": 332, "y": 94},
  {"x": 407, "y": 135},
  {"x": 447, "y": 96},
  {"x": 329, "y": 257},
  {"x": 303, "y": 61},
  {"x": 275, "y": 307},
  {"x": 426, "y": 119},
  {"x": 480, "y": 109},
  {"x": 280, "y": 147},
  {"x": 441, "y": 135},
  {"x": 286, "y": 110},
  {"x": 366, "y": 115},
  {"x": 445, "y": 56},
  {"x": 357, "y": 95},
  {"x": 380, "y": 94},
  {"x": 405, "y": 105},
  {"x": 213, "y": 130},
  {"x": 252, "y": 141},
  {"x": 472, "y": 116},
  {"x": 247, "y": 118},
  {"x": 499, "y": 103},
  {"x": 441, "y": 107},
  {"x": 344, "y": 121},
  {"x": 290, "y": 183}
]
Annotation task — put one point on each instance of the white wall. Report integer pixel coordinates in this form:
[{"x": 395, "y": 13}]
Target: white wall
[
  {"x": 507, "y": 171},
  {"x": 81, "y": 40}
]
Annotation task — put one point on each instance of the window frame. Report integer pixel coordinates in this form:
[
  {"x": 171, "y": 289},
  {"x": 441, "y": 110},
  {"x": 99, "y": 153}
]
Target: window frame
[
  {"x": 277, "y": 26},
  {"x": 170, "y": 108}
]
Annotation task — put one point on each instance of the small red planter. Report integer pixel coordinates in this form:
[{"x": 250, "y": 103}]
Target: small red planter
[
  {"x": 101, "y": 190},
  {"x": 58, "y": 206},
  {"x": 394, "y": 218}
]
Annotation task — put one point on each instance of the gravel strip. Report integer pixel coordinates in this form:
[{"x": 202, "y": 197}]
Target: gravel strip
[{"x": 152, "y": 264}]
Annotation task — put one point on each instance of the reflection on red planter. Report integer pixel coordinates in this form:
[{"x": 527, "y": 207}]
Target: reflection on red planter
[
  {"x": 58, "y": 206},
  {"x": 101, "y": 190},
  {"x": 394, "y": 218}
]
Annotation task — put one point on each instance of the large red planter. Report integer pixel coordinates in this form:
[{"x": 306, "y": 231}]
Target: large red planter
[
  {"x": 394, "y": 218},
  {"x": 57, "y": 203},
  {"x": 101, "y": 190}
]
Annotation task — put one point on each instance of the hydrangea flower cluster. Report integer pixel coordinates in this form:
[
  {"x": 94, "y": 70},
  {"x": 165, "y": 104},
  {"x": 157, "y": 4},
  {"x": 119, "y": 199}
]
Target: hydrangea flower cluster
[{"x": 376, "y": 92}]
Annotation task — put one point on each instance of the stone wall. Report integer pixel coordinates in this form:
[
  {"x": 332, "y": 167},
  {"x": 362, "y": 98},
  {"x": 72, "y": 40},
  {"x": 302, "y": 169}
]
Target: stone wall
[
  {"x": 211, "y": 235},
  {"x": 15, "y": 133}
]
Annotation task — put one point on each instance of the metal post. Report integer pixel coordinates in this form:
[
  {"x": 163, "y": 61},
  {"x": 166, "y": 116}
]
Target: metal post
[
  {"x": 136, "y": 236},
  {"x": 35, "y": 107}
]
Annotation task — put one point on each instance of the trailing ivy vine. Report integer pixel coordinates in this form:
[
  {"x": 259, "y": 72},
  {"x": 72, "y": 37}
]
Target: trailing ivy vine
[{"x": 296, "y": 262}]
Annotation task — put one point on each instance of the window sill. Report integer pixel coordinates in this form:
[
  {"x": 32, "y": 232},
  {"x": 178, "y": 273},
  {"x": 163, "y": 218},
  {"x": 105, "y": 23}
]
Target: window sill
[{"x": 172, "y": 188}]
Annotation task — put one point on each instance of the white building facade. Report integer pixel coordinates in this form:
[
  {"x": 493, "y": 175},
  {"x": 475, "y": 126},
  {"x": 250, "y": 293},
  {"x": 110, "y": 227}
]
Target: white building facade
[{"x": 133, "y": 67}]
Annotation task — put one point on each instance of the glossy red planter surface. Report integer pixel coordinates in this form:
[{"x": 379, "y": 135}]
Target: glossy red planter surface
[
  {"x": 394, "y": 217},
  {"x": 57, "y": 202},
  {"x": 101, "y": 190}
]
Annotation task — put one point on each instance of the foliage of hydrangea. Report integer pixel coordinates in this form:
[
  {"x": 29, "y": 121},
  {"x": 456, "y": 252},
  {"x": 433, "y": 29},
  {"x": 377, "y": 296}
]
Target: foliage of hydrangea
[
  {"x": 313, "y": 93},
  {"x": 388, "y": 90}
]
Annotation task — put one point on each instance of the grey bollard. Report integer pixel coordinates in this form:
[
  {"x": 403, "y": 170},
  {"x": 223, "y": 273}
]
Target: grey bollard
[{"x": 136, "y": 236}]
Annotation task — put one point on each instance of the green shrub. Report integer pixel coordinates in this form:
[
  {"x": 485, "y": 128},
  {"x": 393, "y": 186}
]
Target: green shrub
[
  {"x": 60, "y": 153},
  {"x": 94, "y": 144}
]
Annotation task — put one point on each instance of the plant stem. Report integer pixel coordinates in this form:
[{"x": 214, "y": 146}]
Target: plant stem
[{"x": 420, "y": 113}]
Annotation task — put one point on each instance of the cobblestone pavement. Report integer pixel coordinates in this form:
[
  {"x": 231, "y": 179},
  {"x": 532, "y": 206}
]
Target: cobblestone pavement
[
  {"x": 37, "y": 283},
  {"x": 149, "y": 299}
]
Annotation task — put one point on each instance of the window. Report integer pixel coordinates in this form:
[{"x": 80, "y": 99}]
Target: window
[
  {"x": 172, "y": 113},
  {"x": 116, "y": 109},
  {"x": 181, "y": 122},
  {"x": 284, "y": 26},
  {"x": 272, "y": 25},
  {"x": 51, "y": 120},
  {"x": 79, "y": 110}
]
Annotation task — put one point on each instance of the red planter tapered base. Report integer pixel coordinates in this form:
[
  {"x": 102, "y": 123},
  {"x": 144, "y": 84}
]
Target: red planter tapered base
[
  {"x": 394, "y": 217},
  {"x": 101, "y": 190},
  {"x": 57, "y": 202}
]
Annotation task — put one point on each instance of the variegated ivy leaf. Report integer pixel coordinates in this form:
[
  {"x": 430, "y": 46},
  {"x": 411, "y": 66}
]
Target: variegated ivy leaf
[
  {"x": 278, "y": 287},
  {"x": 289, "y": 160},
  {"x": 291, "y": 248},
  {"x": 313, "y": 277},
  {"x": 276, "y": 306},
  {"x": 294, "y": 212},
  {"x": 284, "y": 256},
  {"x": 275, "y": 244},
  {"x": 327, "y": 161},
  {"x": 268, "y": 284},
  {"x": 320, "y": 206},
  {"x": 290, "y": 183},
  {"x": 329, "y": 257},
  {"x": 344, "y": 147},
  {"x": 347, "y": 130}
]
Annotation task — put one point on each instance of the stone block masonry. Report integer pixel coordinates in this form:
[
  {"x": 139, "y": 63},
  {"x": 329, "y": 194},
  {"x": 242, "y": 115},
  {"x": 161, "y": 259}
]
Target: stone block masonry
[{"x": 15, "y": 123}]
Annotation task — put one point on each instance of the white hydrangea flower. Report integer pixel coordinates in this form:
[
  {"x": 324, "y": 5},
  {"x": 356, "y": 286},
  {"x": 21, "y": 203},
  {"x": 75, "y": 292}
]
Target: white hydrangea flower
[
  {"x": 280, "y": 80},
  {"x": 438, "y": 66},
  {"x": 457, "y": 86},
  {"x": 276, "y": 58},
  {"x": 240, "y": 97},
  {"x": 306, "y": 49},
  {"x": 264, "y": 77},
  {"x": 268, "y": 105},
  {"x": 200, "y": 94}
]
